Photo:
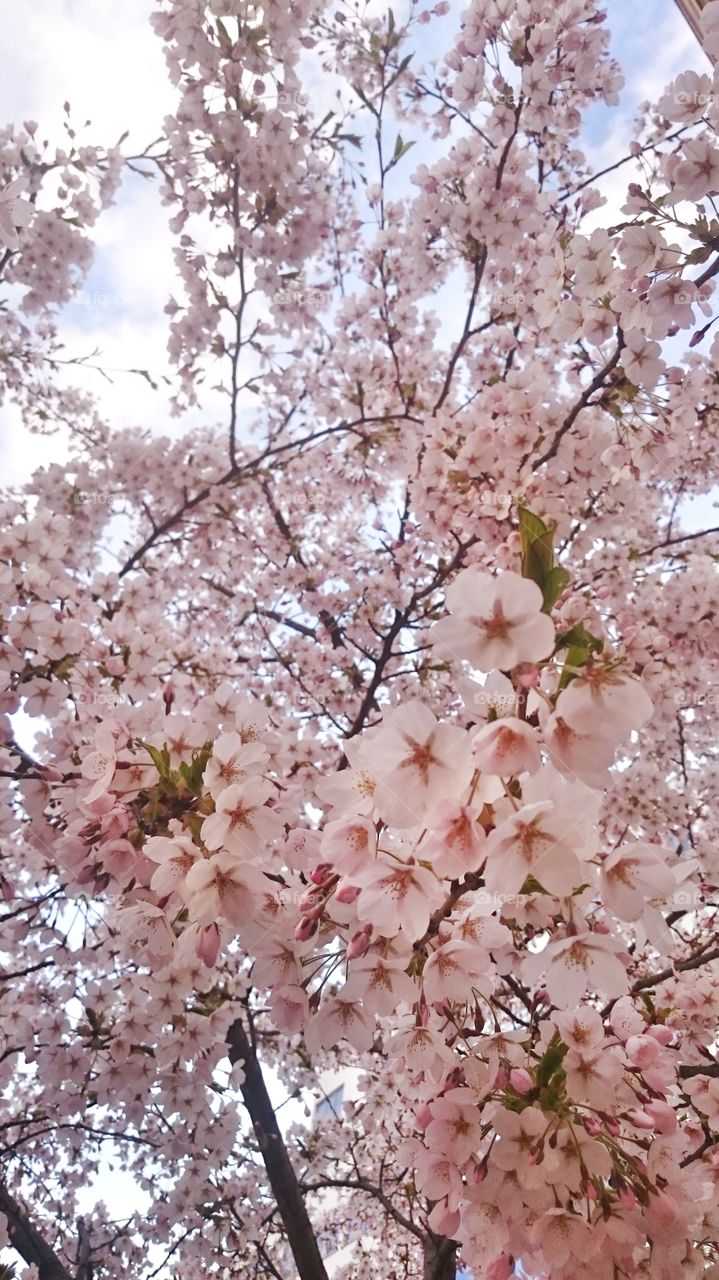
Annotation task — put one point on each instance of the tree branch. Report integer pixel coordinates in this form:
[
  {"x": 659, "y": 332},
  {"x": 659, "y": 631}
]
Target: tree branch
[
  {"x": 283, "y": 1179},
  {"x": 28, "y": 1242}
]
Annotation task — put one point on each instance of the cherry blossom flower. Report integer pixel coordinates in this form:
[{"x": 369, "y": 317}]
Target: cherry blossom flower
[
  {"x": 631, "y": 875},
  {"x": 175, "y": 855},
  {"x": 456, "y": 1125},
  {"x": 457, "y": 839},
  {"x": 535, "y": 841},
  {"x": 507, "y": 747},
  {"x": 148, "y": 926},
  {"x": 397, "y": 895},
  {"x": 340, "y": 1017},
  {"x": 420, "y": 760},
  {"x": 99, "y": 765},
  {"x": 242, "y": 822},
  {"x": 604, "y": 702},
  {"x": 349, "y": 844},
  {"x": 562, "y": 1236},
  {"x": 698, "y": 172},
  {"x": 454, "y": 971},
  {"x": 587, "y": 756},
  {"x": 232, "y": 761},
  {"x": 14, "y": 212},
  {"x": 572, "y": 964},
  {"x": 495, "y": 622},
  {"x": 222, "y": 885}
]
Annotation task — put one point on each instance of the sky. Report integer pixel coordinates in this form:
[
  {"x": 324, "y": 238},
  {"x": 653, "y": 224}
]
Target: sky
[{"x": 102, "y": 56}]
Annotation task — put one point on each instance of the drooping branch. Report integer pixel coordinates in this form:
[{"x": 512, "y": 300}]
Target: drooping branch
[
  {"x": 27, "y": 1241},
  {"x": 283, "y": 1179}
]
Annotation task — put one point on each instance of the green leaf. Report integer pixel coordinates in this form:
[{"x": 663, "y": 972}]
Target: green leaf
[
  {"x": 160, "y": 759},
  {"x": 580, "y": 645},
  {"x": 554, "y": 584},
  {"x": 536, "y": 540},
  {"x": 400, "y": 149},
  {"x": 551, "y": 1061},
  {"x": 579, "y": 637}
]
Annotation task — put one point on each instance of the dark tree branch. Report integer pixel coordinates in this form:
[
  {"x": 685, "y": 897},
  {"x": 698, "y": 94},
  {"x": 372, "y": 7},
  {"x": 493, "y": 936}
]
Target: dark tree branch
[
  {"x": 597, "y": 382},
  {"x": 440, "y": 1260},
  {"x": 283, "y": 1179},
  {"x": 28, "y": 1242},
  {"x": 706, "y": 1069}
]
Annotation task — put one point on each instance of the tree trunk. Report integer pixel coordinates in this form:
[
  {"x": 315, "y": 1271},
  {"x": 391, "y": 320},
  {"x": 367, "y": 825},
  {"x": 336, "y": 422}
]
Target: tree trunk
[
  {"x": 440, "y": 1260},
  {"x": 283, "y": 1179},
  {"x": 28, "y": 1242}
]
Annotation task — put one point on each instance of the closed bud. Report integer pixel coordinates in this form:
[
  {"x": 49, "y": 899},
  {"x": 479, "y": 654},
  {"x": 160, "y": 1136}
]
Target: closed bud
[
  {"x": 306, "y": 928},
  {"x": 347, "y": 894},
  {"x": 321, "y": 873},
  {"x": 520, "y": 1080},
  {"x": 359, "y": 943}
]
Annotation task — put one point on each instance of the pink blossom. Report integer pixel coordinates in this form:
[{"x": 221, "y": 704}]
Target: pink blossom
[
  {"x": 495, "y": 622},
  {"x": 175, "y": 856},
  {"x": 572, "y": 964},
  {"x": 456, "y": 841},
  {"x": 633, "y": 874},
  {"x": 222, "y": 885},
  {"x": 419, "y": 761},
  {"x": 232, "y": 761},
  {"x": 14, "y": 213},
  {"x": 397, "y": 895},
  {"x": 507, "y": 747},
  {"x": 604, "y": 702},
  {"x": 99, "y": 765},
  {"x": 242, "y": 822}
]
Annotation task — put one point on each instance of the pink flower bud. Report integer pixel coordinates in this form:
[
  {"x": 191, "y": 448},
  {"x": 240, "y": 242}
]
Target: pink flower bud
[
  {"x": 321, "y": 873},
  {"x": 642, "y": 1050},
  {"x": 359, "y": 943},
  {"x": 520, "y": 1080},
  {"x": 347, "y": 894},
  {"x": 207, "y": 945},
  {"x": 306, "y": 928},
  {"x": 310, "y": 900},
  {"x": 627, "y": 1198}
]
